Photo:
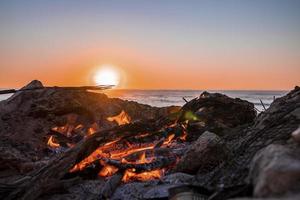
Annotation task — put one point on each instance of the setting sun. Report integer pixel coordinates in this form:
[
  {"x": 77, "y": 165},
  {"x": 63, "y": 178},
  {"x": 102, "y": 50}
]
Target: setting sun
[{"x": 107, "y": 75}]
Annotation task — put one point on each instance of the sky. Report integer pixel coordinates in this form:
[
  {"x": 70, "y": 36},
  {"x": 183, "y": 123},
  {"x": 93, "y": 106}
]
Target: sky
[{"x": 158, "y": 44}]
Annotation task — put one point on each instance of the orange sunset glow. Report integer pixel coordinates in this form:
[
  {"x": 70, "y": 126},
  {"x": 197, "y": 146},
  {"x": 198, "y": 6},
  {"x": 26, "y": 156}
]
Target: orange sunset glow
[{"x": 205, "y": 50}]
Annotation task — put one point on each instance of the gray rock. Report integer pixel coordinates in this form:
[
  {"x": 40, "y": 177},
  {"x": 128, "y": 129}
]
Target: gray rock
[
  {"x": 158, "y": 192},
  {"x": 33, "y": 84},
  {"x": 153, "y": 189},
  {"x": 290, "y": 197},
  {"x": 219, "y": 110},
  {"x": 275, "y": 171},
  {"x": 296, "y": 135},
  {"x": 88, "y": 189},
  {"x": 275, "y": 125},
  {"x": 178, "y": 178},
  {"x": 203, "y": 155},
  {"x": 217, "y": 113},
  {"x": 134, "y": 190}
]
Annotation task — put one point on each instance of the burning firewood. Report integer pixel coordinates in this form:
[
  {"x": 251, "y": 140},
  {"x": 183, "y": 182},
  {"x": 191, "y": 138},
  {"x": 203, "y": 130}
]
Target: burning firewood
[
  {"x": 158, "y": 163},
  {"x": 64, "y": 140},
  {"x": 57, "y": 168},
  {"x": 120, "y": 119},
  {"x": 113, "y": 145}
]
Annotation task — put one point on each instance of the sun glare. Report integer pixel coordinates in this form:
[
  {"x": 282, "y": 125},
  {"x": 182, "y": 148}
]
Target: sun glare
[{"x": 107, "y": 75}]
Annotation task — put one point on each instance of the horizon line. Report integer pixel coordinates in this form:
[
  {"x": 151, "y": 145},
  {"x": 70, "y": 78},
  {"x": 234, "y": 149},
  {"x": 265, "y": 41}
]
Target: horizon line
[{"x": 153, "y": 89}]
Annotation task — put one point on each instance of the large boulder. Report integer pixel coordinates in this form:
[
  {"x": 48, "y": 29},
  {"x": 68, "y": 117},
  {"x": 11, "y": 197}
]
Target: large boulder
[
  {"x": 216, "y": 112},
  {"x": 275, "y": 125},
  {"x": 203, "y": 155},
  {"x": 275, "y": 171}
]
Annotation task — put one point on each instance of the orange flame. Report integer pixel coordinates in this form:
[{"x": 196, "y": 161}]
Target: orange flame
[
  {"x": 108, "y": 170},
  {"x": 65, "y": 130},
  {"x": 184, "y": 136},
  {"x": 130, "y": 175},
  {"x": 93, "y": 156},
  {"x": 142, "y": 135},
  {"x": 110, "y": 150},
  {"x": 169, "y": 139},
  {"x": 121, "y": 119},
  {"x": 69, "y": 127},
  {"x": 93, "y": 128},
  {"x": 79, "y": 126},
  {"x": 142, "y": 158},
  {"x": 51, "y": 143}
]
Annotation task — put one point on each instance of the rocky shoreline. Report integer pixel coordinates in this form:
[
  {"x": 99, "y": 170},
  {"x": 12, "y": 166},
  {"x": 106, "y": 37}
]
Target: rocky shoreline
[{"x": 229, "y": 150}]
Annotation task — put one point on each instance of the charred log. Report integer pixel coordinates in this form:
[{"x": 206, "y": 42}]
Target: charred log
[
  {"x": 111, "y": 184},
  {"x": 89, "y": 172},
  {"x": 158, "y": 163},
  {"x": 64, "y": 140},
  {"x": 156, "y": 152}
]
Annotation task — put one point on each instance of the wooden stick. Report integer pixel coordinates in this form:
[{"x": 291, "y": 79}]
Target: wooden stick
[
  {"x": 185, "y": 100},
  {"x": 263, "y": 104}
]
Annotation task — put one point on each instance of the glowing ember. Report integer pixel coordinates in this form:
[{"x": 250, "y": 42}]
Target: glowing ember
[
  {"x": 52, "y": 143},
  {"x": 169, "y": 139},
  {"x": 142, "y": 135},
  {"x": 65, "y": 130},
  {"x": 183, "y": 137},
  {"x": 119, "y": 155},
  {"x": 79, "y": 126},
  {"x": 68, "y": 128},
  {"x": 94, "y": 156},
  {"x": 121, "y": 150},
  {"x": 93, "y": 128},
  {"x": 130, "y": 175},
  {"x": 121, "y": 119},
  {"x": 108, "y": 170},
  {"x": 112, "y": 142}
]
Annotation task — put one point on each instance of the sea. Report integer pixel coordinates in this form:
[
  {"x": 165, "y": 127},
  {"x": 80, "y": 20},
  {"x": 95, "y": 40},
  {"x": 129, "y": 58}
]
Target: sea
[{"x": 161, "y": 98}]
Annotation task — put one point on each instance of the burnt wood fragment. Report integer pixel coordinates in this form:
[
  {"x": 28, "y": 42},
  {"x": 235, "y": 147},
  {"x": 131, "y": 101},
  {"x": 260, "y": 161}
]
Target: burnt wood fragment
[
  {"x": 157, "y": 163},
  {"x": 111, "y": 185}
]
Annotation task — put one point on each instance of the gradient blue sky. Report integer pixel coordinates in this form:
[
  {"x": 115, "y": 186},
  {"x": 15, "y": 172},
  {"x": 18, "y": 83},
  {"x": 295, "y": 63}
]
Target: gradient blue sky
[{"x": 167, "y": 44}]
